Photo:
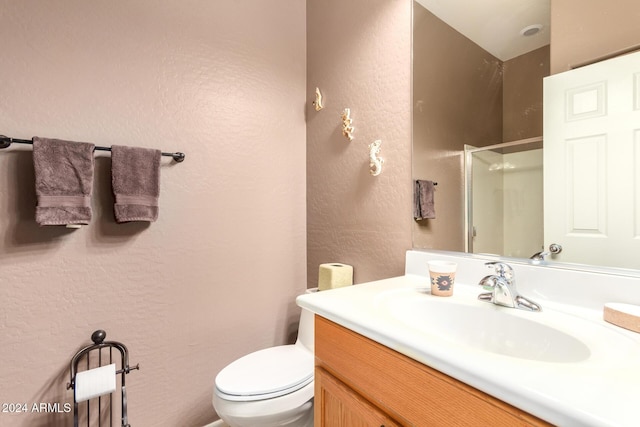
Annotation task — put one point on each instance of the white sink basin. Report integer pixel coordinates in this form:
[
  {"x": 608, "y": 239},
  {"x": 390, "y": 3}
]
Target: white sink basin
[
  {"x": 485, "y": 326},
  {"x": 549, "y": 336}
]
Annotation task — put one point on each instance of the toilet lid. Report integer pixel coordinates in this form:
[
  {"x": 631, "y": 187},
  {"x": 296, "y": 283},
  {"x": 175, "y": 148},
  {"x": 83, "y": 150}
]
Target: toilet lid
[{"x": 267, "y": 373}]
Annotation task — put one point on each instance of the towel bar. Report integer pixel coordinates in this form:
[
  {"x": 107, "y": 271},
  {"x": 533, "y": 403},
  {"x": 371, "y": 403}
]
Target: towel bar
[{"x": 5, "y": 142}]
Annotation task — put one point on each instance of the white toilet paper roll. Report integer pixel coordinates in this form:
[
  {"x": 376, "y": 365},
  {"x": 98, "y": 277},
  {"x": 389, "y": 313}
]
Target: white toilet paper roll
[
  {"x": 334, "y": 275},
  {"x": 95, "y": 382}
]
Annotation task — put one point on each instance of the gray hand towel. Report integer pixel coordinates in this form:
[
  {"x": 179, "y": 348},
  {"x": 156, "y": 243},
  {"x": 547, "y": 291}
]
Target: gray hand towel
[
  {"x": 135, "y": 178},
  {"x": 64, "y": 181},
  {"x": 423, "y": 200}
]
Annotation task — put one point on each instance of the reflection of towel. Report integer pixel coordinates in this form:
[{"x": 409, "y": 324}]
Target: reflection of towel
[
  {"x": 135, "y": 178},
  {"x": 64, "y": 181},
  {"x": 423, "y": 205}
]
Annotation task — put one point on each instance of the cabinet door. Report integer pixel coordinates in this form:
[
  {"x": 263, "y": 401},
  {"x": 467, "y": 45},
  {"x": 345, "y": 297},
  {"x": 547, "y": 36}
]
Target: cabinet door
[{"x": 336, "y": 405}]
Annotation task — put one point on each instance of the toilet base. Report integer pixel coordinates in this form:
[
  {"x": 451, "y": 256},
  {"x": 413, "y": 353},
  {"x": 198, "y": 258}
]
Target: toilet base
[{"x": 301, "y": 416}]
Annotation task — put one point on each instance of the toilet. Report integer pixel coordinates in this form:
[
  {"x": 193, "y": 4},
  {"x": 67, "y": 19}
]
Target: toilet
[{"x": 271, "y": 387}]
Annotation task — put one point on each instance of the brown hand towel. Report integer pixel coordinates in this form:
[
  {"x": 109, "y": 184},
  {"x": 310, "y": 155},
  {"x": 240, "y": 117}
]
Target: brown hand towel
[
  {"x": 135, "y": 178},
  {"x": 423, "y": 200},
  {"x": 64, "y": 181}
]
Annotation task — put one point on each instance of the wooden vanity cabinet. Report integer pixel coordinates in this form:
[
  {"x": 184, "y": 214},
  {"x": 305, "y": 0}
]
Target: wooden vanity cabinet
[
  {"x": 360, "y": 383},
  {"x": 341, "y": 406}
]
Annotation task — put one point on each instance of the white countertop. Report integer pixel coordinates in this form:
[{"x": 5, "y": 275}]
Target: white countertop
[{"x": 603, "y": 390}]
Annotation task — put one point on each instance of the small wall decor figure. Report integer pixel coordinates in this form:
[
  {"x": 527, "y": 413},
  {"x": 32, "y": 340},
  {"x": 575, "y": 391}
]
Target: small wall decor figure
[
  {"x": 375, "y": 162},
  {"x": 347, "y": 129},
  {"x": 318, "y": 102}
]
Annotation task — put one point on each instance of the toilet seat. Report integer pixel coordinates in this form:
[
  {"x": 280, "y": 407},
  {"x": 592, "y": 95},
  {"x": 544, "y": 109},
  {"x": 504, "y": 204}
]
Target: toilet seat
[{"x": 266, "y": 374}]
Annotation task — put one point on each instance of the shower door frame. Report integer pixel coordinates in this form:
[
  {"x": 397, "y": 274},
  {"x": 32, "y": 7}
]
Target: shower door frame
[{"x": 469, "y": 150}]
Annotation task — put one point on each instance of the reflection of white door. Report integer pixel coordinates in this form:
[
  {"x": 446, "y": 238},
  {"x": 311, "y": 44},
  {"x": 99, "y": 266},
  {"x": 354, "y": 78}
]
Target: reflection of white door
[{"x": 591, "y": 150}]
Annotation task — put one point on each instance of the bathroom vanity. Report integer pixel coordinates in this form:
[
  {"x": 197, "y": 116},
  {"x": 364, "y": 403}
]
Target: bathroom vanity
[
  {"x": 388, "y": 353},
  {"x": 362, "y": 383}
]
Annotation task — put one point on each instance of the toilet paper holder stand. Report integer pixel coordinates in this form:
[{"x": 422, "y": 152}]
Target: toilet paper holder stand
[{"x": 99, "y": 343}]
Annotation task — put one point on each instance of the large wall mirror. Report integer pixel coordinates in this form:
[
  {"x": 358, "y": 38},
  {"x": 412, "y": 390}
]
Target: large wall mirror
[{"x": 478, "y": 75}]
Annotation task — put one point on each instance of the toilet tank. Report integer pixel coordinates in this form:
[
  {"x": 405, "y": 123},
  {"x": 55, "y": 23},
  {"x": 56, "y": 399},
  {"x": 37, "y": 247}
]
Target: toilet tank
[
  {"x": 305, "y": 330},
  {"x": 305, "y": 327}
]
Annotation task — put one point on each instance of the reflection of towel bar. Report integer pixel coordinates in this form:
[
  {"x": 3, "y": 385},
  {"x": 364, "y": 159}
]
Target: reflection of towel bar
[
  {"x": 6, "y": 141},
  {"x": 98, "y": 344}
]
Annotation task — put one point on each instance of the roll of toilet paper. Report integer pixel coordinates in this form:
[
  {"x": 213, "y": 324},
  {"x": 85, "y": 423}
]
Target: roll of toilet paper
[
  {"x": 334, "y": 275},
  {"x": 95, "y": 382}
]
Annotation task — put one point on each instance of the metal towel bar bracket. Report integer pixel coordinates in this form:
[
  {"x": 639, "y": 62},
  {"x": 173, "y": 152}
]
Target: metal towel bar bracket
[{"x": 5, "y": 142}]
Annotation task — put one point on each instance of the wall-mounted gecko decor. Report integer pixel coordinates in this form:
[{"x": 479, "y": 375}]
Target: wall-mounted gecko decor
[
  {"x": 318, "y": 102},
  {"x": 347, "y": 129}
]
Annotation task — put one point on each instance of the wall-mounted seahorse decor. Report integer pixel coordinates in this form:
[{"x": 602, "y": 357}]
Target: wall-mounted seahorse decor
[{"x": 375, "y": 162}]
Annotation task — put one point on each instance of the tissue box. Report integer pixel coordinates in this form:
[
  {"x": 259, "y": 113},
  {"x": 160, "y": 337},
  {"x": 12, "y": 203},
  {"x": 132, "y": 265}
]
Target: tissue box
[{"x": 334, "y": 275}]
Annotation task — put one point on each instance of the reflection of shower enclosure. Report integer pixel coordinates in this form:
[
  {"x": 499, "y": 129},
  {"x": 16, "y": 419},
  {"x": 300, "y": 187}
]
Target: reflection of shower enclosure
[{"x": 504, "y": 199}]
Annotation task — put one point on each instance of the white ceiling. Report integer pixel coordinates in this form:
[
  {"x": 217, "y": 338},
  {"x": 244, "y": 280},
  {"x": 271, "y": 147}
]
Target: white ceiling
[{"x": 495, "y": 25}]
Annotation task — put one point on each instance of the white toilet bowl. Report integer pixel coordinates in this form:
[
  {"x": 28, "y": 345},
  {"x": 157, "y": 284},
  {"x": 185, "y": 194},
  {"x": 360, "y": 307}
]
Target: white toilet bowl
[{"x": 271, "y": 387}]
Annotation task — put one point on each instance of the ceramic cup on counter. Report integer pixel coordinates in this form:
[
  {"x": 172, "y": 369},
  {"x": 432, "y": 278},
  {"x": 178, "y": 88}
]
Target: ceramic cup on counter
[{"x": 443, "y": 275}]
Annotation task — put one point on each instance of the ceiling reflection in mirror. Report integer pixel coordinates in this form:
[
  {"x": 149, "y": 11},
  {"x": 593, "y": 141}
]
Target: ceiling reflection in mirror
[{"x": 478, "y": 83}]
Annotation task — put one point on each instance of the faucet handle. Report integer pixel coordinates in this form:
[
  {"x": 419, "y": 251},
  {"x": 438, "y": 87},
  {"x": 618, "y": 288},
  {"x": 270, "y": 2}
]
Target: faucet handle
[
  {"x": 488, "y": 283},
  {"x": 501, "y": 269}
]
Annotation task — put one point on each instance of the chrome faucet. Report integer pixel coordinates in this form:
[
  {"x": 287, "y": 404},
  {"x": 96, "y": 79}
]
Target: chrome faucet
[
  {"x": 539, "y": 256},
  {"x": 502, "y": 285},
  {"x": 554, "y": 249}
]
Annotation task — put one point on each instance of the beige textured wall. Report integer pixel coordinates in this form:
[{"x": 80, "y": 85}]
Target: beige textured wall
[
  {"x": 216, "y": 276},
  {"x": 457, "y": 100},
  {"x": 584, "y": 30},
  {"x": 359, "y": 55},
  {"x": 522, "y": 94}
]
